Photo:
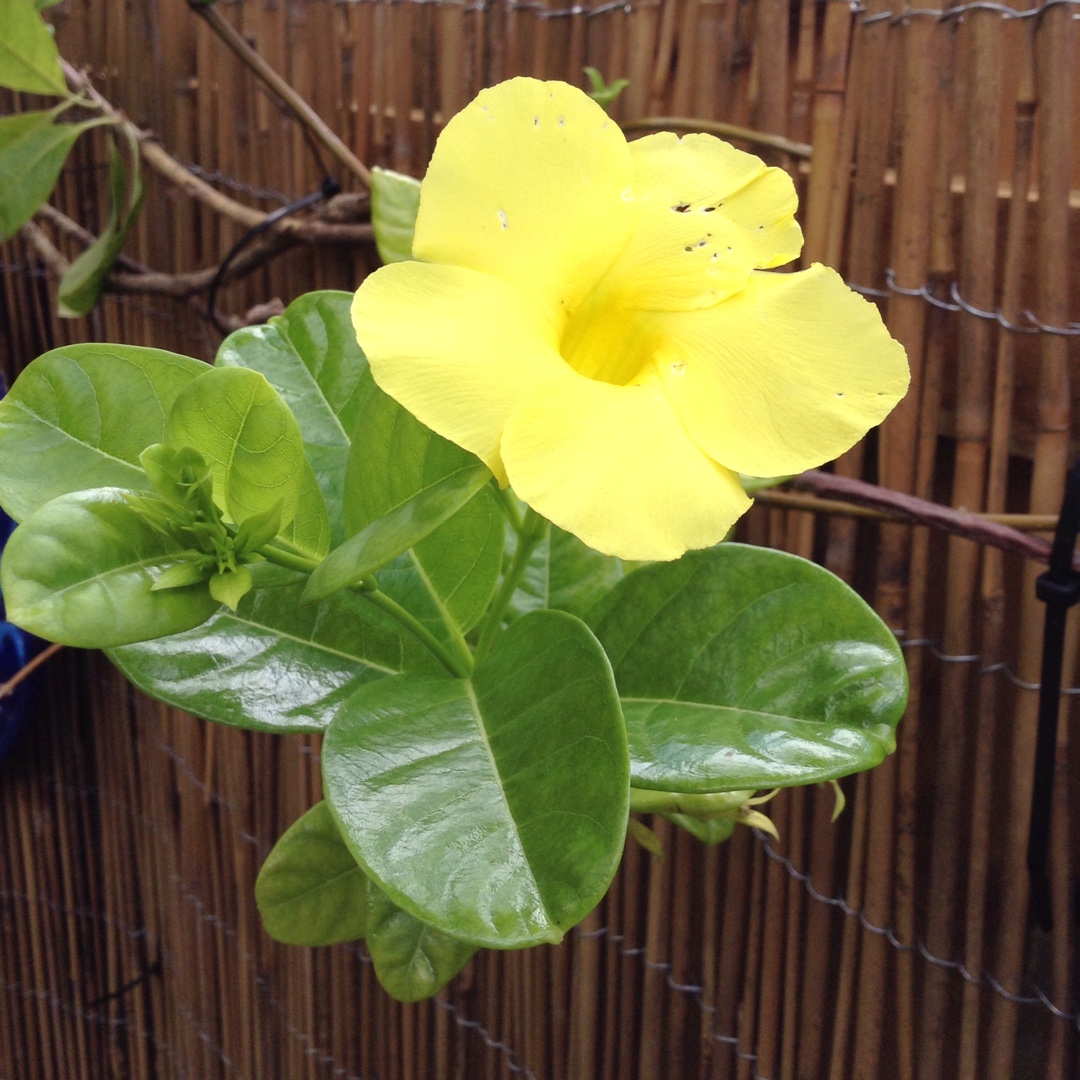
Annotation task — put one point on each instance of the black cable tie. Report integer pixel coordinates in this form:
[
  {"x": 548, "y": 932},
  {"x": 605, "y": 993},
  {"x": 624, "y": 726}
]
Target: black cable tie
[
  {"x": 1059, "y": 589},
  {"x": 327, "y": 190}
]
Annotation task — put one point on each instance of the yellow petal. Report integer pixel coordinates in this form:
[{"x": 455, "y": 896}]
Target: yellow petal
[
  {"x": 784, "y": 375},
  {"x": 530, "y": 182},
  {"x": 708, "y": 216},
  {"x": 613, "y": 465},
  {"x": 458, "y": 348}
]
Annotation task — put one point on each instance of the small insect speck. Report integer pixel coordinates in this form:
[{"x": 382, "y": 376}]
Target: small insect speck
[
  {"x": 682, "y": 208},
  {"x": 688, "y": 249},
  {"x": 503, "y": 218},
  {"x": 708, "y": 209},
  {"x": 562, "y": 121},
  {"x": 536, "y": 121}
]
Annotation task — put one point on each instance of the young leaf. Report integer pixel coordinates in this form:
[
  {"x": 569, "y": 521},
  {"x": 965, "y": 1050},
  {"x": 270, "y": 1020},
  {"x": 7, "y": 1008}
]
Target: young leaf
[
  {"x": 29, "y": 59},
  {"x": 395, "y": 199},
  {"x": 33, "y": 149},
  {"x": 81, "y": 571},
  {"x": 389, "y": 536},
  {"x": 230, "y": 586},
  {"x": 713, "y": 831},
  {"x": 741, "y": 667},
  {"x": 412, "y": 960},
  {"x": 310, "y": 890},
  {"x": 495, "y": 808},
  {"x": 273, "y": 665},
  {"x": 89, "y": 411},
  {"x": 239, "y": 423},
  {"x": 309, "y": 354},
  {"x": 82, "y": 283}
]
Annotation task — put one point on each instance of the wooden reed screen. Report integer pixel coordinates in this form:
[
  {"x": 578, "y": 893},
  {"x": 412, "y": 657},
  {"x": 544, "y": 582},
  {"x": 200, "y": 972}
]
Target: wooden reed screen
[{"x": 944, "y": 182}]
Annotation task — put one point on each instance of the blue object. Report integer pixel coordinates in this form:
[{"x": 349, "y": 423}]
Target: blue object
[{"x": 16, "y": 648}]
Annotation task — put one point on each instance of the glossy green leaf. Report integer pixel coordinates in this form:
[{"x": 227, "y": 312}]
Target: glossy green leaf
[
  {"x": 495, "y": 808},
  {"x": 239, "y": 423},
  {"x": 29, "y": 59},
  {"x": 412, "y": 960},
  {"x": 310, "y": 529},
  {"x": 381, "y": 541},
  {"x": 81, "y": 571},
  {"x": 310, "y": 890},
  {"x": 83, "y": 281},
  {"x": 741, "y": 667},
  {"x": 274, "y": 665},
  {"x": 89, "y": 411},
  {"x": 393, "y": 459},
  {"x": 395, "y": 199},
  {"x": 33, "y": 149},
  {"x": 309, "y": 354},
  {"x": 563, "y": 574}
]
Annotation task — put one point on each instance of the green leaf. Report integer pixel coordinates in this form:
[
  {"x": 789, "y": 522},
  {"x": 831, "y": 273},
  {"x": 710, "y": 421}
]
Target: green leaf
[
  {"x": 494, "y": 808},
  {"x": 309, "y": 354},
  {"x": 29, "y": 59},
  {"x": 81, "y": 571},
  {"x": 310, "y": 890},
  {"x": 412, "y": 960},
  {"x": 309, "y": 530},
  {"x": 602, "y": 93},
  {"x": 395, "y": 199},
  {"x": 83, "y": 281},
  {"x": 239, "y": 423},
  {"x": 89, "y": 411},
  {"x": 273, "y": 665},
  {"x": 384, "y": 539},
  {"x": 33, "y": 149},
  {"x": 741, "y": 667},
  {"x": 563, "y": 574},
  {"x": 393, "y": 459}
]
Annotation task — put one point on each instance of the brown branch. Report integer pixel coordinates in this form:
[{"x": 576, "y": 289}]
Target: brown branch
[
  {"x": 311, "y": 229},
  {"x": 923, "y": 512},
  {"x": 281, "y": 89},
  {"x": 9, "y": 687}
]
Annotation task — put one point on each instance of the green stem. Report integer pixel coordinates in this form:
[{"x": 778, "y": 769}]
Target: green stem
[
  {"x": 529, "y": 535},
  {"x": 460, "y": 667},
  {"x": 291, "y": 560},
  {"x": 647, "y": 801},
  {"x": 511, "y": 509}
]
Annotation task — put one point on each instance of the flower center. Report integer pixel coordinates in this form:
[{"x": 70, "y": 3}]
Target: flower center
[{"x": 606, "y": 341}]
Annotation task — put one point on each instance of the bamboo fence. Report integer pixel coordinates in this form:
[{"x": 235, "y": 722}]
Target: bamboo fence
[{"x": 944, "y": 182}]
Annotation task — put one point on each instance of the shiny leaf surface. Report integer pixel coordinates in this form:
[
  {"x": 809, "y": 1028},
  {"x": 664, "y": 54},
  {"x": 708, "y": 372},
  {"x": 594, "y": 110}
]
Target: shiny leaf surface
[
  {"x": 493, "y": 809},
  {"x": 310, "y": 890},
  {"x": 412, "y": 960},
  {"x": 90, "y": 411},
  {"x": 309, "y": 354},
  {"x": 274, "y": 665},
  {"x": 383, "y": 539},
  {"x": 741, "y": 667},
  {"x": 81, "y": 571}
]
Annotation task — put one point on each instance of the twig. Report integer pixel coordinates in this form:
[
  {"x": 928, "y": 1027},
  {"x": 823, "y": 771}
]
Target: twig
[
  {"x": 718, "y": 127},
  {"x": 9, "y": 687},
  {"x": 84, "y": 236},
  {"x": 813, "y": 504},
  {"x": 923, "y": 512},
  {"x": 278, "y": 86},
  {"x": 312, "y": 229}
]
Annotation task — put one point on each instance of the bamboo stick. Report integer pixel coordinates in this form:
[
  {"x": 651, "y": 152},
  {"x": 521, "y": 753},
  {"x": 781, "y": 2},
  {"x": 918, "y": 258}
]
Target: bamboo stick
[{"x": 1055, "y": 45}]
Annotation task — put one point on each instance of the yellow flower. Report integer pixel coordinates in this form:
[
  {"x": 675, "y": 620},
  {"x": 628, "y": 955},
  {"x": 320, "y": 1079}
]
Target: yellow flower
[{"x": 593, "y": 319}]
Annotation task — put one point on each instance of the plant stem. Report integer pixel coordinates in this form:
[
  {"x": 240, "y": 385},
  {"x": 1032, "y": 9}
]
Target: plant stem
[
  {"x": 511, "y": 509},
  {"x": 647, "y": 801},
  {"x": 289, "y": 559},
  {"x": 529, "y": 535},
  {"x": 460, "y": 667},
  {"x": 457, "y": 638},
  {"x": 28, "y": 668}
]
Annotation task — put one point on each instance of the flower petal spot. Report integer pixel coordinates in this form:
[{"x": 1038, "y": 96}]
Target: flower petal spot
[
  {"x": 503, "y": 218},
  {"x": 678, "y": 368},
  {"x": 682, "y": 208}
]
